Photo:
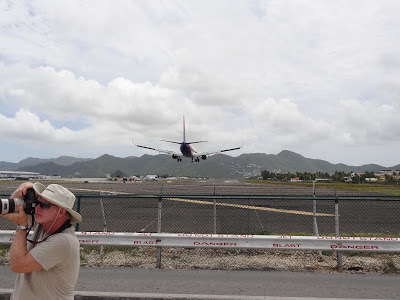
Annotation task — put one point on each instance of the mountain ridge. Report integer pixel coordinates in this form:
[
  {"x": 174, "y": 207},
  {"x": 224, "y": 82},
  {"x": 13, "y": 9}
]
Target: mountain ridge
[
  {"x": 217, "y": 166},
  {"x": 32, "y": 161}
]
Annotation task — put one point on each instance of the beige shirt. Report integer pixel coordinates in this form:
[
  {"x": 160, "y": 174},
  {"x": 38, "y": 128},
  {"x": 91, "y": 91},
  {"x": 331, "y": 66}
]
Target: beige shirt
[{"x": 59, "y": 257}]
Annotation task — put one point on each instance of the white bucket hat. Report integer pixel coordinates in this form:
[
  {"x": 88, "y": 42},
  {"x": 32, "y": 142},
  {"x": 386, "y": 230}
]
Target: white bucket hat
[{"x": 60, "y": 196}]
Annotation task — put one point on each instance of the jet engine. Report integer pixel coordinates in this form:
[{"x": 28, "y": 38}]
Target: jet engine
[{"x": 204, "y": 157}]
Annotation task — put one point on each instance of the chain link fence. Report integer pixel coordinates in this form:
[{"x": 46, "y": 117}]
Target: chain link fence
[
  {"x": 282, "y": 215},
  {"x": 239, "y": 215},
  {"x": 216, "y": 209}
]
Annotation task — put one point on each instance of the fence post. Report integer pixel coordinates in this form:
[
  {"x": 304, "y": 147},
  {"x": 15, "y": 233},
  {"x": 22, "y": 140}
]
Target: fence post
[
  {"x": 215, "y": 213},
  {"x": 315, "y": 225},
  {"x": 103, "y": 214},
  {"x": 78, "y": 209},
  {"x": 158, "y": 262},
  {"x": 338, "y": 253}
]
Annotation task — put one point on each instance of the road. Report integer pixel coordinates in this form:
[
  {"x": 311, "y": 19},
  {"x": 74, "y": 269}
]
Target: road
[{"x": 231, "y": 282}]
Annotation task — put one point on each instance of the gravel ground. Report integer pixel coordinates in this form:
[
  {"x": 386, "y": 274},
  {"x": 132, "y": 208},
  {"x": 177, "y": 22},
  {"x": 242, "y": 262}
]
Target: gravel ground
[{"x": 217, "y": 259}]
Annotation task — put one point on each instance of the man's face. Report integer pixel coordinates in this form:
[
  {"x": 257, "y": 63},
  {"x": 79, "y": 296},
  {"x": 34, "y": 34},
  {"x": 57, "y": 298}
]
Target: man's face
[{"x": 46, "y": 212}]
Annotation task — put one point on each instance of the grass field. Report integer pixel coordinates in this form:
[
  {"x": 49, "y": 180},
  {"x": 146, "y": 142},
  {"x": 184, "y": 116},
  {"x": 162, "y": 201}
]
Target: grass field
[{"x": 393, "y": 190}]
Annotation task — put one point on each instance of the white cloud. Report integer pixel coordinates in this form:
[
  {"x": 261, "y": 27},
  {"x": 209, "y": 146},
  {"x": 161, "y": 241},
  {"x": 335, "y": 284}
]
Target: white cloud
[
  {"x": 366, "y": 123},
  {"x": 279, "y": 74},
  {"x": 27, "y": 126}
]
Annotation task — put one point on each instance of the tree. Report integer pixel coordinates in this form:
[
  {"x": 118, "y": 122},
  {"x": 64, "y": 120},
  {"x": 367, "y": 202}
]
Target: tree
[
  {"x": 389, "y": 178},
  {"x": 119, "y": 174},
  {"x": 339, "y": 176},
  {"x": 267, "y": 174},
  {"x": 355, "y": 178},
  {"x": 369, "y": 174}
]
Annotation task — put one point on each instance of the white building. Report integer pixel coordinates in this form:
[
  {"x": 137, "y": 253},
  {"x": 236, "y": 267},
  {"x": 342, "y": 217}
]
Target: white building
[{"x": 18, "y": 174}]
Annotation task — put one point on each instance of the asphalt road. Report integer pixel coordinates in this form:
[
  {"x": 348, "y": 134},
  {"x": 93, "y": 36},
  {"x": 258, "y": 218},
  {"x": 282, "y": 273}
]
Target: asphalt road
[{"x": 225, "y": 282}]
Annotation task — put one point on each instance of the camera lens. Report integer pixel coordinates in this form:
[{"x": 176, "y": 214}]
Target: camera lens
[{"x": 9, "y": 206}]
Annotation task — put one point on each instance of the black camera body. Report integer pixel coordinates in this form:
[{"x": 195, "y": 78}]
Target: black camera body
[{"x": 29, "y": 203}]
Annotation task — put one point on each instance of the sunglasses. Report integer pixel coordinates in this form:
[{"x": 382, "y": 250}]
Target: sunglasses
[{"x": 44, "y": 205}]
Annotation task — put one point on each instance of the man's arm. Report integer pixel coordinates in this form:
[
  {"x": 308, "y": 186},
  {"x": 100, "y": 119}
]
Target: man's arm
[{"x": 21, "y": 261}]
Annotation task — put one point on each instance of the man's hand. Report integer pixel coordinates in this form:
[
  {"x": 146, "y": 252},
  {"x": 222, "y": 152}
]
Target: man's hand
[
  {"x": 19, "y": 218},
  {"x": 20, "y": 192}
]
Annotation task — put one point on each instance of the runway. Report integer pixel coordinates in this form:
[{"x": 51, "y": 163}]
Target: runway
[{"x": 138, "y": 211}]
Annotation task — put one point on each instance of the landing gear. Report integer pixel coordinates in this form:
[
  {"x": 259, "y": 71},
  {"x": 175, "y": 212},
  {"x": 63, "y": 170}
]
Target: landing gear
[{"x": 178, "y": 158}]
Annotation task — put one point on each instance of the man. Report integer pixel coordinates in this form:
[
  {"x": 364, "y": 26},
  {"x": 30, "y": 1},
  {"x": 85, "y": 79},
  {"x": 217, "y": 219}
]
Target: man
[{"x": 48, "y": 265}]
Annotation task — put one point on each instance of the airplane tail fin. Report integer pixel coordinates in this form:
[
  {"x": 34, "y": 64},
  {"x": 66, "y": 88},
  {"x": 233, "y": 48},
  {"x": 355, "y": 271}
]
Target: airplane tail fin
[
  {"x": 184, "y": 133},
  {"x": 184, "y": 137}
]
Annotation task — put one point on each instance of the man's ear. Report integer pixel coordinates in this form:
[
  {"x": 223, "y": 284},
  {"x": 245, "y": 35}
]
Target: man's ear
[{"x": 63, "y": 212}]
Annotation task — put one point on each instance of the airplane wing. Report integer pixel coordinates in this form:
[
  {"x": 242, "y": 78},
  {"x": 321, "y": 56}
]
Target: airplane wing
[
  {"x": 160, "y": 150},
  {"x": 205, "y": 154},
  {"x": 174, "y": 155}
]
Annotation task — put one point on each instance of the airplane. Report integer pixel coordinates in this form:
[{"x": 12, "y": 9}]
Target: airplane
[{"x": 186, "y": 149}]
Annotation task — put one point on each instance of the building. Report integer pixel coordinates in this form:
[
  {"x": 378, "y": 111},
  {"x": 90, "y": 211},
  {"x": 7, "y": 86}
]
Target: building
[{"x": 18, "y": 175}]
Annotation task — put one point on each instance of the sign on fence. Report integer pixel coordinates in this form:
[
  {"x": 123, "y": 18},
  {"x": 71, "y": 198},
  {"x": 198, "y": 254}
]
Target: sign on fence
[{"x": 184, "y": 240}]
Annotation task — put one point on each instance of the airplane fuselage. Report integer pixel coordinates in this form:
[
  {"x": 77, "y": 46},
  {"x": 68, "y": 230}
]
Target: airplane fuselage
[{"x": 187, "y": 150}]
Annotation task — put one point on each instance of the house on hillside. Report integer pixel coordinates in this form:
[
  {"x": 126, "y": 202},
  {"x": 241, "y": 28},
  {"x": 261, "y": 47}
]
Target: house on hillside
[
  {"x": 151, "y": 178},
  {"x": 383, "y": 174}
]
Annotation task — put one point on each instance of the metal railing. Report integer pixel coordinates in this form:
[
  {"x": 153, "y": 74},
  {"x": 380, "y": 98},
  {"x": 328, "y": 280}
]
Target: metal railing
[{"x": 230, "y": 241}]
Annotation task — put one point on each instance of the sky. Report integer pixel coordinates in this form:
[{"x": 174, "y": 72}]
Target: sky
[{"x": 85, "y": 78}]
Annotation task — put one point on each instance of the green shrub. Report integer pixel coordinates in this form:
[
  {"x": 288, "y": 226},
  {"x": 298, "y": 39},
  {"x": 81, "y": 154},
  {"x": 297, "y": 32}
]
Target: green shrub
[
  {"x": 390, "y": 267},
  {"x": 4, "y": 248},
  {"x": 262, "y": 232}
]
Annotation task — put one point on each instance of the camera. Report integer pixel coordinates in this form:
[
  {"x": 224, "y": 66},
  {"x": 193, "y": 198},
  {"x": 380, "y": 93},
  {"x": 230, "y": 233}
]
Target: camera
[{"x": 29, "y": 203}]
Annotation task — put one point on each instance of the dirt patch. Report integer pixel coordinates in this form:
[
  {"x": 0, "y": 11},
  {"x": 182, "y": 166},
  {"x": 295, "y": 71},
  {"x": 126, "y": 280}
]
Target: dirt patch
[
  {"x": 217, "y": 259},
  {"x": 234, "y": 259}
]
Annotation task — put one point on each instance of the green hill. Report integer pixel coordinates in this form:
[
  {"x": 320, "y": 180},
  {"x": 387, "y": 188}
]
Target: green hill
[{"x": 217, "y": 166}]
